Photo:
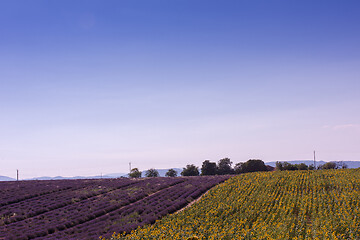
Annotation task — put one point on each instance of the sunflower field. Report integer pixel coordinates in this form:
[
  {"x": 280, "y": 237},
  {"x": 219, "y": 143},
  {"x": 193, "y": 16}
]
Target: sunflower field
[{"x": 323, "y": 204}]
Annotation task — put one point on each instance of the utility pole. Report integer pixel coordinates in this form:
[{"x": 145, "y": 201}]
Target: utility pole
[
  {"x": 314, "y": 161},
  {"x": 17, "y": 174},
  {"x": 129, "y": 167}
]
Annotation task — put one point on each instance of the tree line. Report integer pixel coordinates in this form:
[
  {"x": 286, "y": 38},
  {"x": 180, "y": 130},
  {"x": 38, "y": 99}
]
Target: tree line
[
  {"x": 285, "y": 166},
  {"x": 222, "y": 167}
]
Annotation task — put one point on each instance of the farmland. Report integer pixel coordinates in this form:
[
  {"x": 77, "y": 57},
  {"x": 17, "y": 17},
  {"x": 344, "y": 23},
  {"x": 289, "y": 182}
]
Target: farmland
[
  {"x": 86, "y": 209},
  {"x": 321, "y": 204}
]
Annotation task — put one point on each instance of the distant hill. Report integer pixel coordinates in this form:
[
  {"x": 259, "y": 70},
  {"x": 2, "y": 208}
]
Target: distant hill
[
  {"x": 4, "y": 178},
  {"x": 350, "y": 164},
  {"x": 162, "y": 173},
  {"x": 112, "y": 175}
]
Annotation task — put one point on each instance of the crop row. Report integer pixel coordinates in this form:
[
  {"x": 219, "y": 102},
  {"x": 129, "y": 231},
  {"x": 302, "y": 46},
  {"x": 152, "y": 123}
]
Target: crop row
[
  {"x": 37, "y": 205},
  {"x": 14, "y": 192},
  {"x": 118, "y": 205},
  {"x": 83, "y": 210},
  {"x": 144, "y": 211},
  {"x": 278, "y": 205}
]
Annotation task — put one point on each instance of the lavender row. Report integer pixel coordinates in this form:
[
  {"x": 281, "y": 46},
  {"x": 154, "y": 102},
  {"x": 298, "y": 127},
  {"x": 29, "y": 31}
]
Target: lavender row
[
  {"x": 145, "y": 211},
  {"x": 83, "y": 211},
  {"x": 13, "y": 192},
  {"x": 44, "y": 203}
]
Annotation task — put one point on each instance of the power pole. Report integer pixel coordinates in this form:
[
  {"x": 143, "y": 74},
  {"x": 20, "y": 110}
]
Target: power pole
[
  {"x": 17, "y": 174},
  {"x": 129, "y": 167},
  {"x": 314, "y": 161}
]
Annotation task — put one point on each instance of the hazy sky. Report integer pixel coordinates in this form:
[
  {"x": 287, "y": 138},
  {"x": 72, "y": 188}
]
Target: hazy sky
[{"x": 88, "y": 86}]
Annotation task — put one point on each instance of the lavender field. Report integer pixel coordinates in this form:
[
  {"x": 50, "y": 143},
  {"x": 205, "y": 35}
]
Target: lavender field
[{"x": 86, "y": 209}]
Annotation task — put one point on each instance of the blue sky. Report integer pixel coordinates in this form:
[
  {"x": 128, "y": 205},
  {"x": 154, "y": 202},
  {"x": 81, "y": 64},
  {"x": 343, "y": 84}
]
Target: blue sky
[{"x": 88, "y": 86}]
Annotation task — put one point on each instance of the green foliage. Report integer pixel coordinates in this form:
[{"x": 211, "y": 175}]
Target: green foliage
[
  {"x": 190, "y": 170},
  {"x": 171, "y": 173},
  {"x": 252, "y": 165},
  {"x": 238, "y": 168},
  {"x": 224, "y": 166},
  {"x": 289, "y": 166},
  {"x": 281, "y": 166},
  {"x": 333, "y": 165},
  {"x": 208, "y": 168},
  {"x": 152, "y": 173},
  {"x": 302, "y": 166},
  {"x": 328, "y": 165},
  {"x": 135, "y": 173}
]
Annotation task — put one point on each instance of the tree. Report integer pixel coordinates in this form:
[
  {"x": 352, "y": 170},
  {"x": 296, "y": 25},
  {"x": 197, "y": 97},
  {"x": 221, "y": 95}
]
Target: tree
[
  {"x": 208, "y": 168},
  {"x": 135, "y": 173},
  {"x": 224, "y": 166},
  {"x": 171, "y": 173},
  {"x": 253, "y": 165},
  {"x": 289, "y": 166},
  {"x": 152, "y": 173},
  {"x": 239, "y": 168},
  {"x": 302, "y": 166},
  {"x": 279, "y": 166},
  {"x": 328, "y": 165},
  {"x": 190, "y": 170}
]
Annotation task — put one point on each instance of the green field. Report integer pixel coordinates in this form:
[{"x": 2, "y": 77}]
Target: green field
[{"x": 269, "y": 205}]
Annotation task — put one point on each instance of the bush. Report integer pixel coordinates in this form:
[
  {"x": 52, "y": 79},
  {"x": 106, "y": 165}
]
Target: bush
[
  {"x": 328, "y": 165},
  {"x": 252, "y": 165},
  {"x": 171, "y": 173},
  {"x": 190, "y": 170},
  {"x": 152, "y": 173},
  {"x": 135, "y": 173}
]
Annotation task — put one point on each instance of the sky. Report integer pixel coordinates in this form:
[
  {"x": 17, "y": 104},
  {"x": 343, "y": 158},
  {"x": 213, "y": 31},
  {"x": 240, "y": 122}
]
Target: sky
[{"x": 88, "y": 86}]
